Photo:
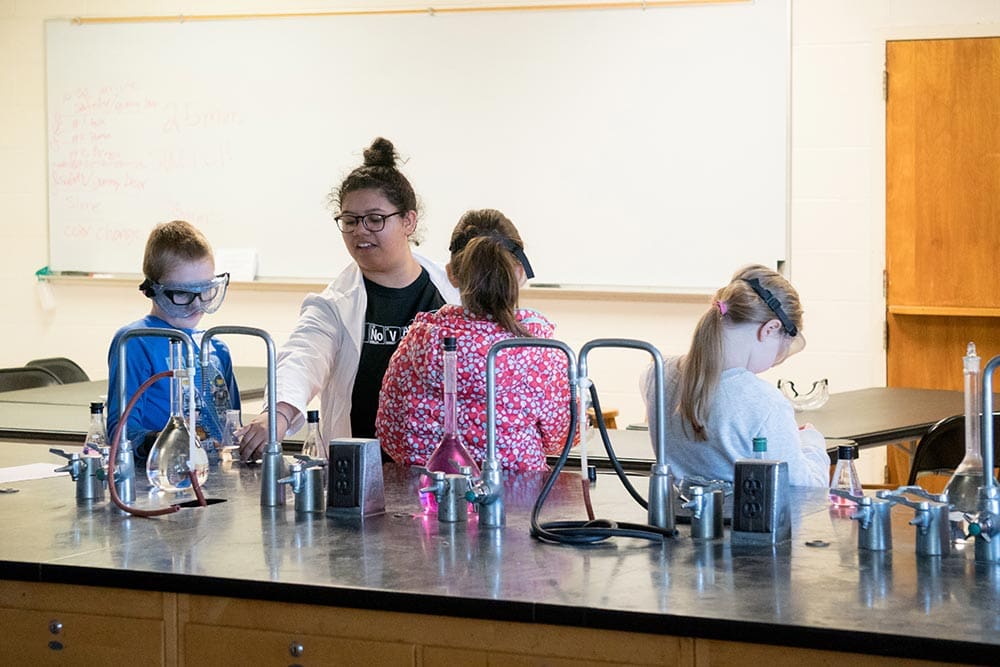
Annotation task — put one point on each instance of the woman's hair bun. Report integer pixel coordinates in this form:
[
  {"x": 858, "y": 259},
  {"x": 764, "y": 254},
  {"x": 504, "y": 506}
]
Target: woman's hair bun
[{"x": 380, "y": 154}]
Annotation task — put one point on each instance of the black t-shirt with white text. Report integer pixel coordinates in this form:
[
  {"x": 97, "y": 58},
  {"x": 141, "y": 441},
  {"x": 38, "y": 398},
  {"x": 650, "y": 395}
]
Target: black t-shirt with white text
[{"x": 389, "y": 314}]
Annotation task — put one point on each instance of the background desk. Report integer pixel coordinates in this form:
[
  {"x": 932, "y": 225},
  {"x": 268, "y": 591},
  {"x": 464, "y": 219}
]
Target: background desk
[
  {"x": 60, "y": 413},
  {"x": 892, "y": 416},
  {"x": 251, "y": 381},
  {"x": 883, "y": 415}
]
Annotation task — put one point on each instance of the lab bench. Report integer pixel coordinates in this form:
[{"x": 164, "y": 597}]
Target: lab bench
[{"x": 235, "y": 583}]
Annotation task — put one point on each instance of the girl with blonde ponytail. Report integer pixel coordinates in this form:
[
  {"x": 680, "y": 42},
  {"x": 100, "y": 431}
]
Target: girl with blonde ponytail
[{"x": 716, "y": 404}]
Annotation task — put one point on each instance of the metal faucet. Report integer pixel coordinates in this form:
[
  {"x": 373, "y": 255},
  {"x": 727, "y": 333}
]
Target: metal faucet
[
  {"x": 661, "y": 511},
  {"x": 125, "y": 463},
  {"x": 985, "y": 524},
  {"x": 931, "y": 519},
  {"x": 86, "y": 471},
  {"x": 487, "y": 492},
  {"x": 305, "y": 477},
  {"x": 705, "y": 503},
  {"x": 450, "y": 490},
  {"x": 272, "y": 492},
  {"x": 874, "y": 517}
]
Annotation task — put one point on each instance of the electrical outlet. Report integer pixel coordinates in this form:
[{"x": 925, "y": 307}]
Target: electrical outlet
[
  {"x": 754, "y": 483},
  {"x": 356, "y": 487},
  {"x": 761, "y": 514},
  {"x": 345, "y": 476}
]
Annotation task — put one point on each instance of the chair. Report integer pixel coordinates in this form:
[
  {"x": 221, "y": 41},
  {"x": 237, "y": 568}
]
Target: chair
[
  {"x": 610, "y": 417},
  {"x": 26, "y": 377},
  {"x": 942, "y": 447},
  {"x": 65, "y": 369}
]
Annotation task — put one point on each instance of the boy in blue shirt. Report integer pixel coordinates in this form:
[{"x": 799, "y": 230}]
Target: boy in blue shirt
[{"x": 179, "y": 270}]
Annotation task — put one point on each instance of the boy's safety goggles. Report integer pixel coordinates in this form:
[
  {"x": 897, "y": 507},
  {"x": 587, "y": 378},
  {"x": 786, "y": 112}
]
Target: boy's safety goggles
[{"x": 185, "y": 299}]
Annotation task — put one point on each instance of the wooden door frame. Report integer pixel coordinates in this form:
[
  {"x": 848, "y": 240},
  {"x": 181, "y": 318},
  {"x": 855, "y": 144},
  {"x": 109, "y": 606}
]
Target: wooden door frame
[{"x": 884, "y": 36}]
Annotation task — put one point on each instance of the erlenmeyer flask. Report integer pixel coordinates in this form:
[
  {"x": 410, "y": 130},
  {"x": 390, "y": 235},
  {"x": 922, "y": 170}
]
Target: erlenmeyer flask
[
  {"x": 176, "y": 450},
  {"x": 229, "y": 447},
  {"x": 963, "y": 487},
  {"x": 450, "y": 455}
]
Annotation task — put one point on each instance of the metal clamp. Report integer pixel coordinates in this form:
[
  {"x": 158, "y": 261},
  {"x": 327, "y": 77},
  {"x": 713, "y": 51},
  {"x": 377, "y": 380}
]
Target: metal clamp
[
  {"x": 874, "y": 517},
  {"x": 452, "y": 493},
  {"x": 931, "y": 519},
  {"x": 705, "y": 504},
  {"x": 985, "y": 524},
  {"x": 86, "y": 471},
  {"x": 306, "y": 481}
]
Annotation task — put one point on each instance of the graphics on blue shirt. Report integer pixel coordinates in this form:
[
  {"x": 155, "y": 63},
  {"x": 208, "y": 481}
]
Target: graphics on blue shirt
[
  {"x": 211, "y": 399},
  {"x": 213, "y": 405}
]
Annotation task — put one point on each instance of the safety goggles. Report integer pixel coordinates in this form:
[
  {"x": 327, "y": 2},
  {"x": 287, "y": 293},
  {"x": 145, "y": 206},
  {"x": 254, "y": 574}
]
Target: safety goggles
[
  {"x": 790, "y": 345},
  {"x": 186, "y": 299}
]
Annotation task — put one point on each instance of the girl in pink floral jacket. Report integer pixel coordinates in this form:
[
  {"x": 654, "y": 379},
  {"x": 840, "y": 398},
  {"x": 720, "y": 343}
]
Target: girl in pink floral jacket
[{"x": 488, "y": 266}]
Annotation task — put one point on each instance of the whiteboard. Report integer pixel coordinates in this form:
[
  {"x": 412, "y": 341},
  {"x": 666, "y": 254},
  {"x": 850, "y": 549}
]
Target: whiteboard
[{"x": 632, "y": 148}]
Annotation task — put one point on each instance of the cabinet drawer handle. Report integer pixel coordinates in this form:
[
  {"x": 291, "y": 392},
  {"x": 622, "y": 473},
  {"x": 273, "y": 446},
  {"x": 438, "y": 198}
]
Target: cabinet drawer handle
[
  {"x": 296, "y": 649},
  {"x": 55, "y": 627}
]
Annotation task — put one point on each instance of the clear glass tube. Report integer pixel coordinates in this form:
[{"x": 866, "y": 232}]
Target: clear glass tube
[
  {"x": 177, "y": 450},
  {"x": 450, "y": 456},
  {"x": 229, "y": 447},
  {"x": 963, "y": 486}
]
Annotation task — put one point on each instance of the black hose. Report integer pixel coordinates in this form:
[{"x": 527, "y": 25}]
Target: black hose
[
  {"x": 602, "y": 427},
  {"x": 588, "y": 532}
]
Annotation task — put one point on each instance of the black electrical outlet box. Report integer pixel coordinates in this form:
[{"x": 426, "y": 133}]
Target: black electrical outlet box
[{"x": 344, "y": 476}]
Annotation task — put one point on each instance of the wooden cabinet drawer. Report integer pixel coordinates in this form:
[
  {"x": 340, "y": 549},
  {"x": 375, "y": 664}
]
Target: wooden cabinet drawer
[
  {"x": 222, "y": 645},
  {"x": 36, "y": 637}
]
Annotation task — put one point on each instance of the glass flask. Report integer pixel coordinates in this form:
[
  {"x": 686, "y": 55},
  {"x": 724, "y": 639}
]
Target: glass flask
[
  {"x": 963, "y": 486},
  {"x": 229, "y": 447},
  {"x": 97, "y": 436},
  {"x": 845, "y": 475},
  {"x": 312, "y": 446},
  {"x": 96, "y": 442},
  {"x": 450, "y": 456},
  {"x": 177, "y": 450}
]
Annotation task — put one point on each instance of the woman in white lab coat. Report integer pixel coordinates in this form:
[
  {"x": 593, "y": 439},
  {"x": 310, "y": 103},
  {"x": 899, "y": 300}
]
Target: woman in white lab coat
[{"x": 344, "y": 338}]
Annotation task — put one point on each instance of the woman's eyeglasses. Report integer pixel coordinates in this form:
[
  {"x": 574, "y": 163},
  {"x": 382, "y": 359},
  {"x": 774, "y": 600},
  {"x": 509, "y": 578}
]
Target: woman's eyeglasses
[{"x": 373, "y": 222}]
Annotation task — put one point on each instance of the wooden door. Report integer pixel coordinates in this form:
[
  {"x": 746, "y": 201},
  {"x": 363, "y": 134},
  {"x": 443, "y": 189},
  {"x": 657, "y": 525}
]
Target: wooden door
[{"x": 942, "y": 208}]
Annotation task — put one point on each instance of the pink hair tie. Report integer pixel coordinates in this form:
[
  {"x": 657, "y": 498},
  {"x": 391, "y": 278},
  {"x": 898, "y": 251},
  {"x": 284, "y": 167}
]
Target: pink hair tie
[{"x": 723, "y": 308}]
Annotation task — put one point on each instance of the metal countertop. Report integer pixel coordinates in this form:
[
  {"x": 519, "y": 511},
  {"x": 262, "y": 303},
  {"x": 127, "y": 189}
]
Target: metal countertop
[{"x": 836, "y": 597}]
